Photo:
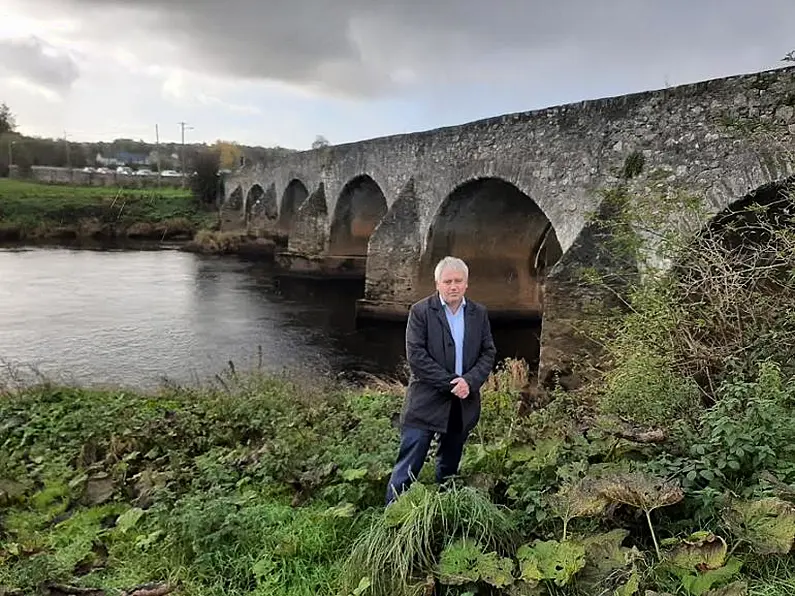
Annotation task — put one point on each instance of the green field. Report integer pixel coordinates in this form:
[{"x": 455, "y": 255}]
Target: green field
[{"x": 31, "y": 211}]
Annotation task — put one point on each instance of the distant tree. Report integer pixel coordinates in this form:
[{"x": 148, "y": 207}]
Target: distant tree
[
  {"x": 6, "y": 140},
  {"x": 23, "y": 160},
  {"x": 320, "y": 142},
  {"x": 205, "y": 183},
  {"x": 7, "y": 122},
  {"x": 790, "y": 57},
  {"x": 229, "y": 154}
]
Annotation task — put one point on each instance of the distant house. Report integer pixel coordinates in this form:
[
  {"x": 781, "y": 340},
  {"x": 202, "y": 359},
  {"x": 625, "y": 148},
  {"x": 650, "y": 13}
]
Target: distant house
[
  {"x": 135, "y": 159},
  {"x": 106, "y": 161},
  {"x": 123, "y": 158}
]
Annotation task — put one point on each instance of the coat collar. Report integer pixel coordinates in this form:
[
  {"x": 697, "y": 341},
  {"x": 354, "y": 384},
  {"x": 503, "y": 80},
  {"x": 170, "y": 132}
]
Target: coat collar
[
  {"x": 470, "y": 310},
  {"x": 443, "y": 303},
  {"x": 435, "y": 302}
]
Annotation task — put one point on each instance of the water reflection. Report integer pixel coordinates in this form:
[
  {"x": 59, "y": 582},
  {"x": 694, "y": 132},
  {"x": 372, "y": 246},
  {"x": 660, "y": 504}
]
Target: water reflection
[{"x": 135, "y": 318}]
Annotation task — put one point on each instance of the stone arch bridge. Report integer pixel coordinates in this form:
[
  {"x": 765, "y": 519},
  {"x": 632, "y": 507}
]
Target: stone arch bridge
[{"x": 513, "y": 195}]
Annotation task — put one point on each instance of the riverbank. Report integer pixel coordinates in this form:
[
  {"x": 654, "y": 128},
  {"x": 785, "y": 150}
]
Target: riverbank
[
  {"x": 271, "y": 485},
  {"x": 38, "y": 213}
]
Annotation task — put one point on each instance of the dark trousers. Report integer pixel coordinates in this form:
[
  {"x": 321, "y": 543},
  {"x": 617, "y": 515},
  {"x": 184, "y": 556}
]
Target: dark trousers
[{"x": 414, "y": 446}]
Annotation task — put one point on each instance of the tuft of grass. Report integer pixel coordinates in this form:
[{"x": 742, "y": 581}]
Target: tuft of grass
[{"x": 398, "y": 554}]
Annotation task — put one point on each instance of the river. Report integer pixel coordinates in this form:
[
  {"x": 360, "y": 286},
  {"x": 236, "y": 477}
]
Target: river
[{"x": 142, "y": 318}]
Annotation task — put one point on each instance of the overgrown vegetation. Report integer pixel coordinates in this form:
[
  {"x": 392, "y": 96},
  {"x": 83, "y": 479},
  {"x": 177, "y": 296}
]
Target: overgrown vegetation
[
  {"x": 266, "y": 486},
  {"x": 672, "y": 472},
  {"x": 206, "y": 183},
  {"x": 31, "y": 211}
]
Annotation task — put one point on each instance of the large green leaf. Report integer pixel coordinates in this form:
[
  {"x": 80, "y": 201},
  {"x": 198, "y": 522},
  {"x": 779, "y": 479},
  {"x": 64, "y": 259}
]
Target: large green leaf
[
  {"x": 630, "y": 588},
  {"x": 582, "y": 499},
  {"x": 767, "y": 524},
  {"x": 464, "y": 562},
  {"x": 551, "y": 560},
  {"x": 640, "y": 490},
  {"x": 603, "y": 555},
  {"x": 700, "y": 552},
  {"x": 128, "y": 519},
  {"x": 353, "y": 474},
  {"x": 700, "y": 583},
  {"x": 495, "y": 570},
  {"x": 459, "y": 563},
  {"x": 538, "y": 455}
]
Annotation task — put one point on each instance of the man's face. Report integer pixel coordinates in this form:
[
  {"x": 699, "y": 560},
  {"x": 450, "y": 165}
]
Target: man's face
[{"x": 452, "y": 285}]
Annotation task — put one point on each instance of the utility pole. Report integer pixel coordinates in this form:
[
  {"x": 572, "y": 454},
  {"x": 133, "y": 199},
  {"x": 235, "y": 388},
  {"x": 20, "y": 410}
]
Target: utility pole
[
  {"x": 157, "y": 152},
  {"x": 183, "y": 126},
  {"x": 68, "y": 157}
]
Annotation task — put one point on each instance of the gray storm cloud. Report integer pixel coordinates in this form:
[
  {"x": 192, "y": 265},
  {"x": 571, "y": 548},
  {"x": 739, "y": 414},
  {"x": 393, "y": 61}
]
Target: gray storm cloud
[
  {"x": 37, "y": 62},
  {"x": 371, "y": 47}
]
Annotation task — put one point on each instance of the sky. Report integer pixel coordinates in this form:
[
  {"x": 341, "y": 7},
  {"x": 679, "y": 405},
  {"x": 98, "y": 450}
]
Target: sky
[{"x": 281, "y": 72}]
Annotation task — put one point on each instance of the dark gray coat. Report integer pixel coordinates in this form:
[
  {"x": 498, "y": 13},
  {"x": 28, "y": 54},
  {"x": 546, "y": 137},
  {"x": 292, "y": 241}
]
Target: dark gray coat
[{"x": 431, "y": 356}]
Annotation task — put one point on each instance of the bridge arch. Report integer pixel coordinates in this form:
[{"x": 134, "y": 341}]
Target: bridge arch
[
  {"x": 231, "y": 212},
  {"x": 359, "y": 209},
  {"x": 770, "y": 204},
  {"x": 295, "y": 193},
  {"x": 236, "y": 199},
  {"x": 506, "y": 239},
  {"x": 261, "y": 203}
]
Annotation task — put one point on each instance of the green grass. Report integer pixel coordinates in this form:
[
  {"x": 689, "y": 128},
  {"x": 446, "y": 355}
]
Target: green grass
[
  {"x": 32, "y": 210},
  {"x": 260, "y": 485},
  {"x": 202, "y": 484}
]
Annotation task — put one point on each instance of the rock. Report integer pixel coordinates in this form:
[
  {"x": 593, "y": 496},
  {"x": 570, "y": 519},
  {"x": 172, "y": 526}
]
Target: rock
[{"x": 99, "y": 489}]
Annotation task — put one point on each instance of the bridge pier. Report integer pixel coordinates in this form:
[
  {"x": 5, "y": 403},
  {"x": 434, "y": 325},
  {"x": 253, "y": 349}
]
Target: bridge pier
[
  {"x": 380, "y": 310},
  {"x": 393, "y": 264},
  {"x": 574, "y": 304}
]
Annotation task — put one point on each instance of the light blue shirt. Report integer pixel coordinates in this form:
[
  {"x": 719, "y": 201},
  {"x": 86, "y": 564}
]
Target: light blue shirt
[{"x": 456, "y": 322}]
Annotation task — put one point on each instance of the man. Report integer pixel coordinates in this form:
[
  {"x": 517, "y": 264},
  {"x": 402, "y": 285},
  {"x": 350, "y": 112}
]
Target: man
[{"x": 450, "y": 353}]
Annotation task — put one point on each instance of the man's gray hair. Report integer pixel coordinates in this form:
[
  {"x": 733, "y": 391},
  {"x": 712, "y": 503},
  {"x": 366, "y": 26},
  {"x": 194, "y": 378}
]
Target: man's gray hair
[{"x": 453, "y": 263}]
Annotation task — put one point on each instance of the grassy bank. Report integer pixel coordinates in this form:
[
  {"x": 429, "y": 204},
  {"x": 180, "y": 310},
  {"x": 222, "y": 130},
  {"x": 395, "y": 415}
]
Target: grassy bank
[
  {"x": 32, "y": 212},
  {"x": 267, "y": 486}
]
